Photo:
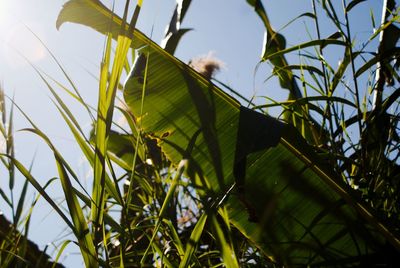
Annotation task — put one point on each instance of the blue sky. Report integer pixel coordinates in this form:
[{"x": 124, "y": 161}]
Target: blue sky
[{"x": 230, "y": 29}]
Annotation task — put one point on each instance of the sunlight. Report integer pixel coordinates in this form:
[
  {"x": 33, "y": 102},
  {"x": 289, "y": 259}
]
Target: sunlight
[
  {"x": 4, "y": 10},
  {"x": 19, "y": 40},
  {"x": 15, "y": 37}
]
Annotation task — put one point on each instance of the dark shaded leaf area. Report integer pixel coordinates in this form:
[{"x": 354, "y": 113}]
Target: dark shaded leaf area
[{"x": 27, "y": 253}]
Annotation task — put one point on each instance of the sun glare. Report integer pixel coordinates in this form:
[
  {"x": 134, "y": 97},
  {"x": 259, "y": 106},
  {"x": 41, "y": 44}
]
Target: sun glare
[
  {"x": 21, "y": 41},
  {"x": 16, "y": 38},
  {"x": 4, "y": 8}
]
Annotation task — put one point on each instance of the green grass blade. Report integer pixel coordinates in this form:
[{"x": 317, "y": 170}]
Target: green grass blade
[
  {"x": 321, "y": 42},
  {"x": 25, "y": 172},
  {"x": 82, "y": 233},
  {"x": 88, "y": 152},
  {"x": 164, "y": 207},
  {"x": 193, "y": 240},
  {"x": 21, "y": 201},
  {"x": 80, "y": 229},
  {"x": 60, "y": 251},
  {"x": 175, "y": 237},
  {"x": 100, "y": 145},
  {"x": 228, "y": 254}
]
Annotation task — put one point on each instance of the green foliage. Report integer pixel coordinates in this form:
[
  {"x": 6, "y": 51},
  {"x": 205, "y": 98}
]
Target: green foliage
[{"x": 209, "y": 183}]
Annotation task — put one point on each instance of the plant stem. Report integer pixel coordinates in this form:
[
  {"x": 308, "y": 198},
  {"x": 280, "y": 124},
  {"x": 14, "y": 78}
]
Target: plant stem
[
  {"x": 328, "y": 106},
  {"x": 380, "y": 78},
  {"x": 353, "y": 69}
]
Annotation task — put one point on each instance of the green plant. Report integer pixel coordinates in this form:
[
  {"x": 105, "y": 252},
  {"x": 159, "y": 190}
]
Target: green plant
[{"x": 211, "y": 183}]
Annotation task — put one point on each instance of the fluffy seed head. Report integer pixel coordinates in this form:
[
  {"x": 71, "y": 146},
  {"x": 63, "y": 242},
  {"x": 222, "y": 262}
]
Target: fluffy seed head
[{"x": 207, "y": 65}]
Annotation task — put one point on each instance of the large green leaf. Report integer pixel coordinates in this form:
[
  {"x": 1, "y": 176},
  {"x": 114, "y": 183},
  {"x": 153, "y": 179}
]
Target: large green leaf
[
  {"x": 284, "y": 199},
  {"x": 94, "y": 14},
  {"x": 303, "y": 212}
]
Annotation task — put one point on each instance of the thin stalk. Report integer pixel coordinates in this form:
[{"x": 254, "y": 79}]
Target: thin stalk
[
  {"x": 328, "y": 103},
  {"x": 164, "y": 207},
  {"x": 319, "y": 37},
  {"x": 353, "y": 69},
  {"x": 379, "y": 78}
]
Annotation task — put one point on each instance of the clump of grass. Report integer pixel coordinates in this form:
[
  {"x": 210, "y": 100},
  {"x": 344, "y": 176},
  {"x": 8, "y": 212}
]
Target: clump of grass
[{"x": 161, "y": 219}]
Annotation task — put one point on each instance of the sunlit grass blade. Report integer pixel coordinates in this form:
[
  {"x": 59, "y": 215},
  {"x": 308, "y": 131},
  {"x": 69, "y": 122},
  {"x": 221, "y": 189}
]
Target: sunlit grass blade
[
  {"x": 60, "y": 251},
  {"x": 175, "y": 238},
  {"x": 227, "y": 250},
  {"x": 25, "y": 172},
  {"x": 63, "y": 105},
  {"x": 78, "y": 95},
  {"x": 193, "y": 240},
  {"x": 100, "y": 144},
  {"x": 107, "y": 91},
  {"x": 81, "y": 138},
  {"x": 167, "y": 201},
  {"x": 82, "y": 233},
  {"x": 88, "y": 152},
  {"x": 80, "y": 229}
]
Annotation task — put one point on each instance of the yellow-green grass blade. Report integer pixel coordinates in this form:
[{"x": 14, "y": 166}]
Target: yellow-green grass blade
[
  {"x": 77, "y": 131},
  {"x": 25, "y": 172},
  {"x": 82, "y": 233},
  {"x": 164, "y": 207},
  {"x": 107, "y": 92},
  {"x": 88, "y": 250},
  {"x": 112, "y": 188},
  {"x": 80, "y": 229},
  {"x": 60, "y": 250},
  {"x": 227, "y": 250},
  {"x": 175, "y": 238},
  {"x": 193, "y": 241},
  {"x": 99, "y": 169},
  {"x": 143, "y": 90}
]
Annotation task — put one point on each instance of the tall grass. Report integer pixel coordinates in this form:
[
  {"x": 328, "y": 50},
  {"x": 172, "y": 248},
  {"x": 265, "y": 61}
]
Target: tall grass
[{"x": 161, "y": 220}]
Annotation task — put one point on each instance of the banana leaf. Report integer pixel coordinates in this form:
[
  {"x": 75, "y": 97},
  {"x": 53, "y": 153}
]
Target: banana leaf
[
  {"x": 285, "y": 200},
  {"x": 278, "y": 192}
]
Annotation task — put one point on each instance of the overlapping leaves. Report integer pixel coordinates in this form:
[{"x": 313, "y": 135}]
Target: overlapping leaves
[{"x": 305, "y": 215}]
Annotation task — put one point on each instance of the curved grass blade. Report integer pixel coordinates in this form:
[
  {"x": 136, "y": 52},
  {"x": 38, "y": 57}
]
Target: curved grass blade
[
  {"x": 25, "y": 172},
  {"x": 60, "y": 251},
  {"x": 227, "y": 251},
  {"x": 307, "y": 100},
  {"x": 312, "y": 43},
  {"x": 193, "y": 240},
  {"x": 352, "y": 4},
  {"x": 377, "y": 58},
  {"x": 164, "y": 207},
  {"x": 80, "y": 229},
  {"x": 107, "y": 92}
]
